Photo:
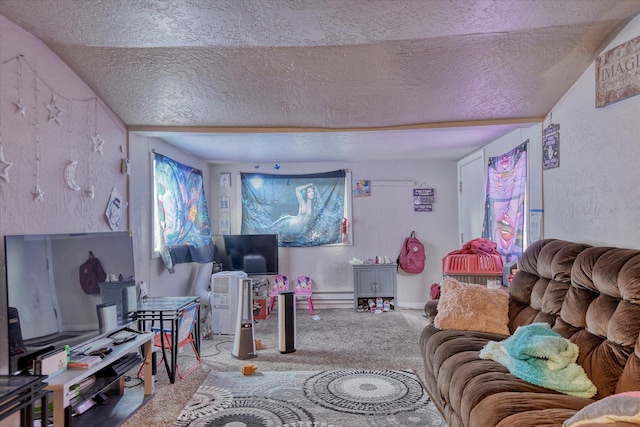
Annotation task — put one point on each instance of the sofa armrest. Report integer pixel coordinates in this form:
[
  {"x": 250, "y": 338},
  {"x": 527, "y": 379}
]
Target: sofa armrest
[{"x": 431, "y": 309}]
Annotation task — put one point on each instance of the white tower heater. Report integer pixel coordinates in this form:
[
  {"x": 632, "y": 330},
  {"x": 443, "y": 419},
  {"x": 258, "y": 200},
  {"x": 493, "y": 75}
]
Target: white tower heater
[
  {"x": 224, "y": 301},
  {"x": 244, "y": 345},
  {"x": 286, "y": 322}
]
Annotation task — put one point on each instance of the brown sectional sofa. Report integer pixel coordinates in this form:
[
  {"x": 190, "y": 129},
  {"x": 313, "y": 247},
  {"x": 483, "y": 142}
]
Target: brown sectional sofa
[{"x": 589, "y": 295}]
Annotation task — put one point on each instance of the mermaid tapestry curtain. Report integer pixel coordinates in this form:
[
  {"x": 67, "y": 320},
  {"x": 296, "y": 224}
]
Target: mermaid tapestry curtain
[
  {"x": 182, "y": 213},
  {"x": 504, "y": 208},
  {"x": 303, "y": 210}
]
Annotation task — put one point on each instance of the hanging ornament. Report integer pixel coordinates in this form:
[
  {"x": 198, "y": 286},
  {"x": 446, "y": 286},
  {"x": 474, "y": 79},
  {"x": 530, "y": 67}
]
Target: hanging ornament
[
  {"x": 4, "y": 174},
  {"x": 4, "y": 165},
  {"x": 21, "y": 108},
  {"x": 20, "y": 104},
  {"x": 97, "y": 143},
  {"x": 54, "y": 111},
  {"x": 70, "y": 169},
  {"x": 38, "y": 194},
  {"x": 70, "y": 175}
]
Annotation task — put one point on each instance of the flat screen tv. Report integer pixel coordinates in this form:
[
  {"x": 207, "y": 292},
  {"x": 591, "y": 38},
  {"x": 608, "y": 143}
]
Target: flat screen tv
[
  {"x": 255, "y": 254},
  {"x": 47, "y": 306}
]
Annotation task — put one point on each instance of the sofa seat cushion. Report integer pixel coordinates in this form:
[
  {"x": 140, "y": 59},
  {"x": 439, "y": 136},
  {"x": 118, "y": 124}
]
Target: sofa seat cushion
[
  {"x": 437, "y": 345},
  {"x": 541, "y": 356},
  {"x": 475, "y": 385},
  {"x": 550, "y": 417},
  {"x": 522, "y": 408},
  {"x": 465, "y": 387}
]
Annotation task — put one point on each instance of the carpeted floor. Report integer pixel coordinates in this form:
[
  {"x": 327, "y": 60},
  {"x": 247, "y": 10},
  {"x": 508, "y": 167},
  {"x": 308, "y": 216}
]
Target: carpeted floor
[
  {"x": 350, "y": 397},
  {"x": 339, "y": 339}
]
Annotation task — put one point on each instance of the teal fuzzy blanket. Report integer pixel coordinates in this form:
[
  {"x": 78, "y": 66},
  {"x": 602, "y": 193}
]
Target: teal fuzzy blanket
[{"x": 538, "y": 355}]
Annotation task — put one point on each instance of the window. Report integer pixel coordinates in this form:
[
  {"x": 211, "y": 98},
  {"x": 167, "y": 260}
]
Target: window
[
  {"x": 182, "y": 230},
  {"x": 504, "y": 220}
]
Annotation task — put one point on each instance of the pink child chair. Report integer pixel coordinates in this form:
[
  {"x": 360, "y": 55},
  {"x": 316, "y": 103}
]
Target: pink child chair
[
  {"x": 303, "y": 290},
  {"x": 280, "y": 283}
]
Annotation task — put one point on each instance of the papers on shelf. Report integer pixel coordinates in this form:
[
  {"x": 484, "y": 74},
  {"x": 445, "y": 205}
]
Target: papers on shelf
[{"x": 83, "y": 362}]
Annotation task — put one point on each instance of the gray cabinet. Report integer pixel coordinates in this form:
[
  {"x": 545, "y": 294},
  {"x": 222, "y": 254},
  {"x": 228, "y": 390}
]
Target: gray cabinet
[{"x": 371, "y": 281}]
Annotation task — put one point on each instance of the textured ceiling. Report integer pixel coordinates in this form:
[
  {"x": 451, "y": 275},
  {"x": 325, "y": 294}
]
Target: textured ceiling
[{"x": 444, "y": 76}]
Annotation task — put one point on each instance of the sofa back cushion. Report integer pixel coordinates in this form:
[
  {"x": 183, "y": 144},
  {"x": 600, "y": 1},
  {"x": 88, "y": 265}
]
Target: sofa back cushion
[
  {"x": 538, "y": 290},
  {"x": 590, "y": 295},
  {"x": 472, "y": 307}
]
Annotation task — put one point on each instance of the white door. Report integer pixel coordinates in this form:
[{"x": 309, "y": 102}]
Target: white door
[{"x": 471, "y": 196}]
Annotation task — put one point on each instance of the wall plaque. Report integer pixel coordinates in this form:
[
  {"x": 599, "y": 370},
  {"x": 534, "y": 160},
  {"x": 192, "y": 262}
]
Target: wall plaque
[
  {"x": 423, "y": 199},
  {"x": 618, "y": 73},
  {"x": 551, "y": 146}
]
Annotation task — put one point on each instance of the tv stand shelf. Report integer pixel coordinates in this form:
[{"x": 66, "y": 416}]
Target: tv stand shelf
[
  {"x": 103, "y": 381},
  {"x": 62, "y": 383}
]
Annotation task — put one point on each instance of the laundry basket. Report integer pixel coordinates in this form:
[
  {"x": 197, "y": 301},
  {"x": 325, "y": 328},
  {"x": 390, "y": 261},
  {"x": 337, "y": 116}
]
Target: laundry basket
[{"x": 473, "y": 268}]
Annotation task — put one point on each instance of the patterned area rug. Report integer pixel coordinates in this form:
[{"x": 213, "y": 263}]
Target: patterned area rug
[{"x": 326, "y": 398}]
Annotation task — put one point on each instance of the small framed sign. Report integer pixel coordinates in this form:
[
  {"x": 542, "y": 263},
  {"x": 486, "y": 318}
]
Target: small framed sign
[
  {"x": 618, "y": 73},
  {"x": 551, "y": 146},
  {"x": 225, "y": 180},
  {"x": 423, "y": 199}
]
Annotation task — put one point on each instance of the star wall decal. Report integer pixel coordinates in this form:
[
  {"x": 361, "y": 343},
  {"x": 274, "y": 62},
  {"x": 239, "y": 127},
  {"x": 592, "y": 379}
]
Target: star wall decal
[
  {"x": 97, "y": 143},
  {"x": 21, "y": 108},
  {"x": 5, "y": 166},
  {"x": 54, "y": 111},
  {"x": 38, "y": 194}
]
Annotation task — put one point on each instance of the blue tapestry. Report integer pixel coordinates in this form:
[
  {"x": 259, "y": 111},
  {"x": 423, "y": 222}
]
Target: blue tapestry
[
  {"x": 504, "y": 207},
  {"x": 303, "y": 210},
  {"x": 182, "y": 212}
]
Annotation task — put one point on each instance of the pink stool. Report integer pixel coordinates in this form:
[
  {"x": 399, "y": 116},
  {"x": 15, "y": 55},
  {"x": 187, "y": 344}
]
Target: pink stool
[
  {"x": 280, "y": 283},
  {"x": 303, "y": 290}
]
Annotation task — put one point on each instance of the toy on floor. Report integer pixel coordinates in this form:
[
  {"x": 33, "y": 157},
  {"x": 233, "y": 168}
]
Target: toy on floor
[
  {"x": 260, "y": 345},
  {"x": 249, "y": 369}
]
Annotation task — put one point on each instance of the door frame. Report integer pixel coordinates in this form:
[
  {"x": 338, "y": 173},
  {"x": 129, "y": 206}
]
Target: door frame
[{"x": 475, "y": 156}]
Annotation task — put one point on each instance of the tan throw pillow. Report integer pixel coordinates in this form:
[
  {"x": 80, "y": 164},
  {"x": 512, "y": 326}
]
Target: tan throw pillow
[{"x": 472, "y": 307}]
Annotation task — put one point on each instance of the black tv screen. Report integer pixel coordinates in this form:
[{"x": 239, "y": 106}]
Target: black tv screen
[
  {"x": 46, "y": 304},
  {"x": 255, "y": 254}
]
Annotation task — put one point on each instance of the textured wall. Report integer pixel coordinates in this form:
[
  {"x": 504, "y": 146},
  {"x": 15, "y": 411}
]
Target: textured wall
[
  {"x": 36, "y": 78},
  {"x": 594, "y": 196},
  {"x": 380, "y": 224}
]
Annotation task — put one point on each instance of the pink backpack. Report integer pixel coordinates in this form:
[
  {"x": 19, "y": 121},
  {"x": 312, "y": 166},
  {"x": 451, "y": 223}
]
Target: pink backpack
[{"x": 412, "y": 258}]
